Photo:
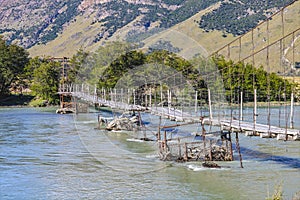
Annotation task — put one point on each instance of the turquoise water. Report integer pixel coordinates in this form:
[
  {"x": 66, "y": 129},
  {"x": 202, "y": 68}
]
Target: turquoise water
[{"x": 48, "y": 156}]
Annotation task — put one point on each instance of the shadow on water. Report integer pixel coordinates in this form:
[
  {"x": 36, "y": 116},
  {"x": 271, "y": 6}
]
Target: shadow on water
[{"x": 261, "y": 156}]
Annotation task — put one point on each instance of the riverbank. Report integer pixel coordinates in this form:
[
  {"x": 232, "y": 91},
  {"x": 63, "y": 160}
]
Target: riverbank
[{"x": 15, "y": 100}]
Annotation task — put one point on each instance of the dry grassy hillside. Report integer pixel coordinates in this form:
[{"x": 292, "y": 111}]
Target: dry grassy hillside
[
  {"x": 190, "y": 39},
  {"x": 186, "y": 35},
  {"x": 79, "y": 34}
]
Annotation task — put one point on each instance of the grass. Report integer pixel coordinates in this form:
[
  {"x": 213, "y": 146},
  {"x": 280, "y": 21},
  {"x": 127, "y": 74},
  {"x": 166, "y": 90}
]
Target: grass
[
  {"x": 278, "y": 193},
  {"x": 79, "y": 34}
]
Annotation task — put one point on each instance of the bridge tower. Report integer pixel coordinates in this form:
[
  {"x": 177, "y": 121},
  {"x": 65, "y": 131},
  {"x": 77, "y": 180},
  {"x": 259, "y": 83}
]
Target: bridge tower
[{"x": 65, "y": 91}]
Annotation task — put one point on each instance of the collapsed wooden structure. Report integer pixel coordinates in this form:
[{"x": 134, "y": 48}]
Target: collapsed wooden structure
[{"x": 204, "y": 148}]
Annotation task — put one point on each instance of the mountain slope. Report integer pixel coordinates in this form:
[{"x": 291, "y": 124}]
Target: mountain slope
[
  {"x": 38, "y": 22},
  {"x": 29, "y": 22},
  {"x": 59, "y": 28}
]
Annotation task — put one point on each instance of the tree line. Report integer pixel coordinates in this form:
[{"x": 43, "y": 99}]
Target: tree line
[
  {"x": 19, "y": 72},
  {"x": 109, "y": 63}
]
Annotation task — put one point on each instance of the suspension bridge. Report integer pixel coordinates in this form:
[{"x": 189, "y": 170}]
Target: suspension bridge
[
  {"x": 253, "y": 47},
  {"x": 121, "y": 101}
]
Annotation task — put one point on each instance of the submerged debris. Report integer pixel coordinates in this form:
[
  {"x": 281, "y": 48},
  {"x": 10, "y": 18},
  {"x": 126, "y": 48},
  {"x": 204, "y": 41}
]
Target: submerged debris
[
  {"x": 64, "y": 111},
  {"x": 210, "y": 164},
  {"x": 123, "y": 123},
  {"x": 194, "y": 151}
]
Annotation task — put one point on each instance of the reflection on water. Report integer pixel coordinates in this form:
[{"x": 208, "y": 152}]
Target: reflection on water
[{"x": 48, "y": 156}]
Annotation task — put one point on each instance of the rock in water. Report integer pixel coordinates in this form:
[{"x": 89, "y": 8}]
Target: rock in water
[{"x": 210, "y": 165}]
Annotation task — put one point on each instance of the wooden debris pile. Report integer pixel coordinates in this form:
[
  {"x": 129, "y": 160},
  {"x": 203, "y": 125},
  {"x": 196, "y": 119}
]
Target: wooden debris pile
[
  {"x": 193, "y": 151},
  {"x": 214, "y": 153},
  {"x": 218, "y": 153},
  {"x": 123, "y": 123}
]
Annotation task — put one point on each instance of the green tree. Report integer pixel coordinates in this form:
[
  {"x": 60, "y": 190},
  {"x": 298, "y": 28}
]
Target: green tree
[
  {"x": 119, "y": 67},
  {"x": 89, "y": 67},
  {"x": 46, "y": 81},
  {"x": 76, "y": 62},
  {"x": 244, "y": 77},
  {"x": 33, "y": 64},
  {"x": 12, "y": 62}
]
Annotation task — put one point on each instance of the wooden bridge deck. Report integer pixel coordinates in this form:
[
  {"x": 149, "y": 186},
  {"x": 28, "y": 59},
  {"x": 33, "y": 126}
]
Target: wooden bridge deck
[{"x": 249, "y": 128}]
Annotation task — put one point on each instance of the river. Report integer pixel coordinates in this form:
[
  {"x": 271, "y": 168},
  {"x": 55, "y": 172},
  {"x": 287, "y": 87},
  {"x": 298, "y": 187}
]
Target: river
[{"x": 44, "y": 155}]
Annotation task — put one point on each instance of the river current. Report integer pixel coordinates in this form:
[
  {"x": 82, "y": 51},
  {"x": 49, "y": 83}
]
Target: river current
[{"x": 44, "y": 155}]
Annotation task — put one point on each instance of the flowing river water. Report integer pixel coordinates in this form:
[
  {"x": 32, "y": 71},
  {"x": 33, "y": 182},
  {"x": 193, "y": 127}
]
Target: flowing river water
[{"x": 44, "y": 155}]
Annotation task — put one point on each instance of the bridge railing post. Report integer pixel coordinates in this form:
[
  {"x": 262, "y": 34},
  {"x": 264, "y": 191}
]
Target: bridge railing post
[
  {"x": 115, "y": 95},
  {"x": 196, "y": 102},
  {"x": 122, "y": 98},
  {"x": 209, "y": 104},
  {"x": 255, "y": 111},
  {"x": 292, "y": 111},
  {"x": 95, "y": 94},
  {"x": 134, "y": 97}
]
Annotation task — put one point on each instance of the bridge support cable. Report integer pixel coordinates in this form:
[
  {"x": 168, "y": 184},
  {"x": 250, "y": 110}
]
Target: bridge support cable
[
  {"x": 268, "y": 81},
  {"x": 265, "y": 49},
  {"x": 282, "y": 11}
]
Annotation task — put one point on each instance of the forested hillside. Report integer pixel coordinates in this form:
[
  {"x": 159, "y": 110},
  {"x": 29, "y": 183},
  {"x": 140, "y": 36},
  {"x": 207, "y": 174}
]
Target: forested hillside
[
  {"x": 31, "y": 22},
  {"x": 238, "y": 17}
]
